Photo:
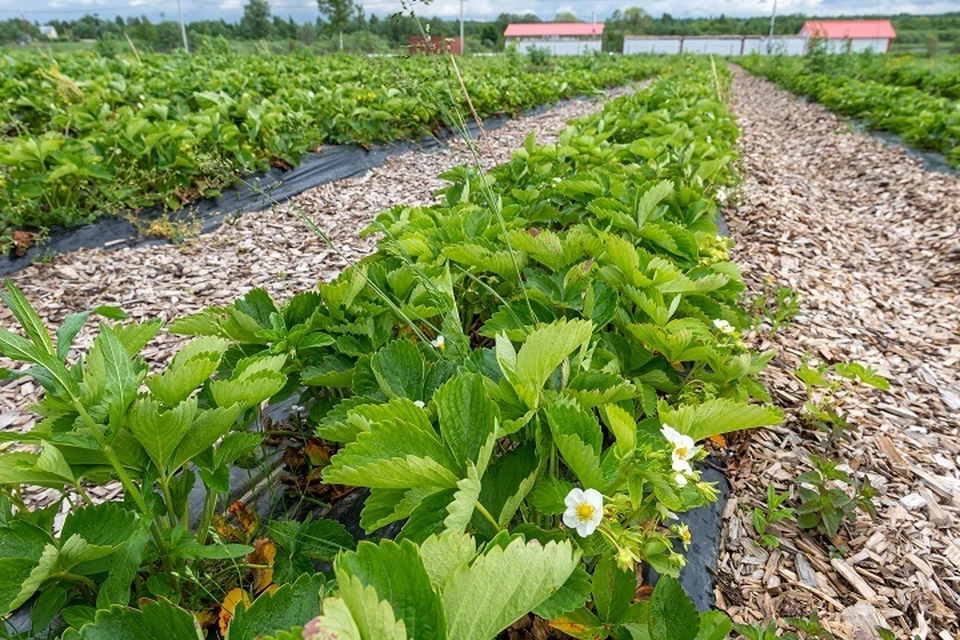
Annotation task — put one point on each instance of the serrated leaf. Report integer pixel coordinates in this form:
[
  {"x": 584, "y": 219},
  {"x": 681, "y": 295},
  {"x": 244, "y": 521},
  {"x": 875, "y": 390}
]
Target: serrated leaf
[
  {"x": 428, "y": 517},
  {"x": 153, "y": 620},
  {"x": 108, "y": 524},
  {"x": 467, "y": 417},
  {"x": 52, "y": 461},
  {"x": 398, "y": 577},
  {"x": 323, "y": 539},
  {"x": 442, "y": 554},
  {"x": 190, "y": 368},
  {"x": 548, "y": 495},
  {"x": 613, "y": 589},
  {"x": 651, "y": 198},
  {"x": 121, "y": 378},
  {"x": 253, "y": 381},
  {"x": 567, "y": 418},
  {"x": 477, "y": 258},
  {"x": 336, "y": 623},
  {"x": 572, "y": 595},
  {"x": 717, "y": 416},
  {"x": 460, "y": 510},
  {"x": 290, "y": 605},
  {"x": 160, "y": 431},
  {"x": 510, "y": 581},
  {"x": 623, "y": 426},
  {"x": 21, "y": 546},
  {"x": 400, "y": 370},
  {"x": 135, "y": 336},
  {"x": 207, "y": 427},
  {"x": 672, "y": 614},
  {"x": 124, "y": 566},
  {"x": 547, "y": 347},
  {"x": 507, "y": 482},
  {"x": 393, "y": 456},
  {"x": 29, "y": 320},
  {"x": 374, "y": 617},
  {"x": 714, "y": 625}
]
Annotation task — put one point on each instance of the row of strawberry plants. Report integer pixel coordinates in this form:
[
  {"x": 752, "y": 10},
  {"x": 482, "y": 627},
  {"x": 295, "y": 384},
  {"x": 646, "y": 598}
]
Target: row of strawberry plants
[
  {"x": 919, "y": 118},
  {"x": 935, "y": 76},
  {"x": 85, "y": 136},
  {"x": 520, "y": 376}
]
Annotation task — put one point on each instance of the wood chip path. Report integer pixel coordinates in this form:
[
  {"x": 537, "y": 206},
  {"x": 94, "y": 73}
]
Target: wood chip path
[
  {"x": 272, "y": 249},
  {"x": 871, "y": 241}
]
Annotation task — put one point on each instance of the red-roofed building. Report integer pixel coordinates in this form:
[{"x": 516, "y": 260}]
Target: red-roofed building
[
  {"x": 560, "y": 38},
  {"x": 851, "y": 35}
]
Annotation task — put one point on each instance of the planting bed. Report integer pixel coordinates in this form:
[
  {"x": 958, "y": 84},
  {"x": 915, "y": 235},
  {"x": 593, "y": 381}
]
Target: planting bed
[
  {"x": 871, "y": 242},
  {"x": 82, "y": 136}
]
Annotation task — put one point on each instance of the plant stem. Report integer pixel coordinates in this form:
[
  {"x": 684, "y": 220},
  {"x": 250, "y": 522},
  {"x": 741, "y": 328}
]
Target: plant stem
[
  {"x": 168, "y": 497},
  {"x": 129, "y": 487},
  {"x": 486, "y": 514},
  {"x": 82, "y": 580},
  {"x": 206, "y": 515},
  {"x": 83, "y": 494}
]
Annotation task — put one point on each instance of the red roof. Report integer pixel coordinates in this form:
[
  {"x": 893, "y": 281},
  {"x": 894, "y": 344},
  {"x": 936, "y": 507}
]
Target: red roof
[
  {"x": 837, "y": 29},
  {"x": 554, "y": 29}
]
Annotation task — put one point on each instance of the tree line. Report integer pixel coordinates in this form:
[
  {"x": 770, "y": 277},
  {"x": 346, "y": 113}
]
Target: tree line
[{"x": 343, "y": 25}]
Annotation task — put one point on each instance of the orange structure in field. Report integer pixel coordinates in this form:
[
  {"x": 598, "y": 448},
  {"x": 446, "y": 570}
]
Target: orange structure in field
[{"x": 435, "y": 45}]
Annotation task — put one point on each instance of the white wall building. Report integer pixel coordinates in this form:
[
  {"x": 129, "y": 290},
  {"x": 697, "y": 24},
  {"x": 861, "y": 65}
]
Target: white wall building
[
  {"x": 559, "y": 38},
  {"x": 837, "y": 36}
]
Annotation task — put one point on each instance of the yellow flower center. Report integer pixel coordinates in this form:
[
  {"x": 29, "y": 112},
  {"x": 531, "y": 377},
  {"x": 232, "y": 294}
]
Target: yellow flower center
[
  {"x": 681, "y": 452},
  {"x": 585, "y": 511}
]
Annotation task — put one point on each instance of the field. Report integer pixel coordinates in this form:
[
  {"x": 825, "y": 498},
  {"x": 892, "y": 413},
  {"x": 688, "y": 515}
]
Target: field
[
  {"x": 87, "y": 136},
  {"x": 484, "y": 390}
]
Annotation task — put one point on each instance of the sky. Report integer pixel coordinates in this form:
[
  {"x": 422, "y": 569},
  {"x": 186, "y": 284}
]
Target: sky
[{"x": 306, "y": 10}]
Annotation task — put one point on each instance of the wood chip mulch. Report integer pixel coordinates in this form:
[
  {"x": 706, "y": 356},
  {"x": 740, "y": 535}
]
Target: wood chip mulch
[
  {"x": 272, "y": 249},
  {"x": 871, "y": 241}
]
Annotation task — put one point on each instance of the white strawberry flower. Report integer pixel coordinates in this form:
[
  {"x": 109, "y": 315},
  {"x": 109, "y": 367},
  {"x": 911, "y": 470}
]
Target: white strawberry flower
[
  {"x": 684, "y": 449},
  {"x": 681, "y": 480},
  {"x": 723, "y": 326},
  {"x": 439, "y": 343},
  {"x": 584, "y": 511},
  {"x": 419, "y": 403}
]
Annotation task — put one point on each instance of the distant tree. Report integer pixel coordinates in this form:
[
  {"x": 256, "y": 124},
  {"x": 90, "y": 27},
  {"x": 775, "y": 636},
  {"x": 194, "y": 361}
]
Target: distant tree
[
  {"x": 489, "y": 35},
  {"x": 931, "y": 44},
  {"x": 256, "y": 19},
  {"x": 566, "y": 16},
  {"x": 307, "y": 33},
  {"x": 338, "y": 14}
]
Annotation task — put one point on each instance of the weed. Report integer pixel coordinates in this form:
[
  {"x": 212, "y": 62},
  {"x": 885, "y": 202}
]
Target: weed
[
  {"x": 808, "y": 628},
  {"x": 167, "y": 226},
  {"x": 824, "y": 506},
  {"x": 774, "y": 512},
  {"x": 827, "y": 387},
  {"x": 775, "y": 306}
]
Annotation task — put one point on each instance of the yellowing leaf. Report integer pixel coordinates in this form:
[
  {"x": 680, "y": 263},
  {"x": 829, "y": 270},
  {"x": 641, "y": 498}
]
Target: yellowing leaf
[{"x": 229, "y": 606}]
